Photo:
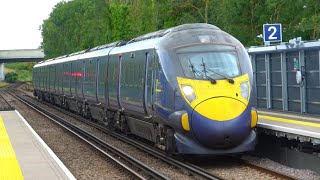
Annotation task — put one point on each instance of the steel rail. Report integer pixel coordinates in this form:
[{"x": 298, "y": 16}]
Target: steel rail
[
  {"x": 194, "y": 170},
  {"x": 6, "y": 106},
  {"x": 267, "y": 170},
  {"x": 98, "y": 144}
]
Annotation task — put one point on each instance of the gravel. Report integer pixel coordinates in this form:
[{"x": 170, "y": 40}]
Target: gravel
[
  {"x": 84, "y": 159},
  {"x": 159, "y": 165},
  {"x": 303, "y": 174},
  {"x": 232, "y": 168}
]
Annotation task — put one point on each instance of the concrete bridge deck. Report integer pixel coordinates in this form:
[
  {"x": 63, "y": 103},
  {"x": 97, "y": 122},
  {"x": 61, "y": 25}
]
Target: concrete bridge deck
[{"x": 21, "y": 55}]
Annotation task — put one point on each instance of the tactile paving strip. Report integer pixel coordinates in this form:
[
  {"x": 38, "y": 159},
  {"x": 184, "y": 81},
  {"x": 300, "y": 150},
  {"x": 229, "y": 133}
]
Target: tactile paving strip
[{"x": 9, "y": 166}]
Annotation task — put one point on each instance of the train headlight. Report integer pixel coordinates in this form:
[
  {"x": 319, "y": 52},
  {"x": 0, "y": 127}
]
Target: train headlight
[
  {"x": 244, "y": 89},
  {"x": 188, "y": 92}
]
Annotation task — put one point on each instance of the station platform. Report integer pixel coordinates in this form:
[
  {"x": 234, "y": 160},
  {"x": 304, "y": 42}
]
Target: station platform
[
  {"x": 305, "y": 128},
  {"x": 23, "y": 154}
]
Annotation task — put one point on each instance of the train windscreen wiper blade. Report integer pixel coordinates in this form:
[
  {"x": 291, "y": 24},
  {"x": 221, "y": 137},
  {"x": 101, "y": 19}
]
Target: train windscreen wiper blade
[
  {"x": 195, "y": 71},
  {"x": 230, "y": 80}
]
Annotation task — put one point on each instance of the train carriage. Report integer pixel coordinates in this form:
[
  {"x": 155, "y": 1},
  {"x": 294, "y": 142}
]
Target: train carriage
[{"x": 187, "y": 89}]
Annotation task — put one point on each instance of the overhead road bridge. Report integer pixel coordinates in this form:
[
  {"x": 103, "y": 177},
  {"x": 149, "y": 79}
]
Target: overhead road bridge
[{"x": 19, "y": 55}]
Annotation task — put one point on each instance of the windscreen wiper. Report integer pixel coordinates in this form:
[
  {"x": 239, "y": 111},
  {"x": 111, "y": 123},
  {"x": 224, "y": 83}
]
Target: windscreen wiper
[
  {"x": 195, "y": 71},
  {"x": 205, "y": 70},
  {"x": 230, "y": 80}
]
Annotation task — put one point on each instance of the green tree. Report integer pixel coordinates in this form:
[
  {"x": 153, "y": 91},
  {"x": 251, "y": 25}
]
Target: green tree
[
  {"x": 119, "y": 20},
  {"x": 76, "y": 25},
  {"x": 81, "y": 24}
]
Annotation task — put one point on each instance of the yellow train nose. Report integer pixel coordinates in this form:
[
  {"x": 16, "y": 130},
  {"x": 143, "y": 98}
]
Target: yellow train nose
[{"x": 220, "y": 108}]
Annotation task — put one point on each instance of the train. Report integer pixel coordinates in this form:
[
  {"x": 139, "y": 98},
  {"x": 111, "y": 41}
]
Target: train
[{"x": 186, "y": 89}]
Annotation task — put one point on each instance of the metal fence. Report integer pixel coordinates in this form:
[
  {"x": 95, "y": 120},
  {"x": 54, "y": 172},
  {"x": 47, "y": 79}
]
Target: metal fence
[{"x": 274, "y": 69}]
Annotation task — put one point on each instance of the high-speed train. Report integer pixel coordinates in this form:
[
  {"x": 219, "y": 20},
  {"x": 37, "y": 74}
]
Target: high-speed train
[{"x": 187, "y": 89}]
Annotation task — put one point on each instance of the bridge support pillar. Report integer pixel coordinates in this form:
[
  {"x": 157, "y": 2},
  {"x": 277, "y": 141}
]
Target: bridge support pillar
[{"x": 1, "y": 71}]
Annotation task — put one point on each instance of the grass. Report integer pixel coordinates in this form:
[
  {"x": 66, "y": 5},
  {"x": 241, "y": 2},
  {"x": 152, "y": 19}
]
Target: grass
[{"x": 3, "y": 84}]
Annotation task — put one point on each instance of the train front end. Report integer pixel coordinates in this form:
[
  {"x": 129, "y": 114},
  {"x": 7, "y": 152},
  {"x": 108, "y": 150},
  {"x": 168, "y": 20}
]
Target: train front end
[
  {"x": 215, "y": 85},
  {"x": 218, "y": 116}
]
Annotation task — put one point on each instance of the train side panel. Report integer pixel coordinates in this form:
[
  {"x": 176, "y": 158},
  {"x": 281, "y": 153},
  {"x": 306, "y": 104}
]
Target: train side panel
[{"x": 132, "y": 82}]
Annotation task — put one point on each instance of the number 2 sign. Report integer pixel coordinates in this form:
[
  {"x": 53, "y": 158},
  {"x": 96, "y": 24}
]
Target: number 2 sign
[{"x": 272, "y": 32}]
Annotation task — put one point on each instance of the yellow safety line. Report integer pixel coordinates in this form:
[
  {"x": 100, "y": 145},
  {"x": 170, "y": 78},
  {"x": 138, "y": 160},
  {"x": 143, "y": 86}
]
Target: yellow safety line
[
  {"x": 288, "y": 115},
  {"x": 290, "y": 121},
  {"x": 9, "y": 166}
]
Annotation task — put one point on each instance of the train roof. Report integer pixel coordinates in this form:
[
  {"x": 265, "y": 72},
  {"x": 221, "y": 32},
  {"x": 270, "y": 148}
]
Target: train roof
[{"x": 146, "y": 41}]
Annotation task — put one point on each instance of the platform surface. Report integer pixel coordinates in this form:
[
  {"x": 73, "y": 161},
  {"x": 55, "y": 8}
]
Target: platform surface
[
  {"x": 298, "y": 124},
  {"x": 23, "y": 154}
]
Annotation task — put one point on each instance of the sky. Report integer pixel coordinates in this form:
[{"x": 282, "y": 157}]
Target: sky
[{"x": 20, "y": 21}]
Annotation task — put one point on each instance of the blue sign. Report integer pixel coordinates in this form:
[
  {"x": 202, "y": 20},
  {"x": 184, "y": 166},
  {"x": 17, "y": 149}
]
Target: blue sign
[{"x": 272, "y": 32}]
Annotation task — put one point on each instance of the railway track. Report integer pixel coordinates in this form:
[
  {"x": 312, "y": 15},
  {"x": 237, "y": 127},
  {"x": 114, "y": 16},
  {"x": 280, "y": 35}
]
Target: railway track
[
  {"x": 4, "y": 104},
  {"x": 190, "y": 168},
  {"x": 129, "y": 163},
  {"x": 266, "y": 170}
]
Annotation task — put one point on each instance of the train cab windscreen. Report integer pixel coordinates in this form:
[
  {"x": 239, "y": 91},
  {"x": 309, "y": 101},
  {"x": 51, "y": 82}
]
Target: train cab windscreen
[{"x": 209, "y": 61}]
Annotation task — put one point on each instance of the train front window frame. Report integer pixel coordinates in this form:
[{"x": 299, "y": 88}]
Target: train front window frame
[{"x": 216, "y": 61}]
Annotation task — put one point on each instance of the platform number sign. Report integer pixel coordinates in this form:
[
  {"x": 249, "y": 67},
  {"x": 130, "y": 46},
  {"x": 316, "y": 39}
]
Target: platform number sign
[{"x": 272, "y": 33}]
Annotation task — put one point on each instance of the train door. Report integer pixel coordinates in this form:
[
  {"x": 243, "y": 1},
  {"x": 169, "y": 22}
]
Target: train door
[
  {"x": 54, "y": 77},
  {"x": 83, "y": 77},
  {"x": 79, "y": 73},
  {"x": 46, "y": 78},
  {"x": 102, "y": 80},
  {"x": 152, "y": 74},
  {"x": 72, "y": 79},
  {"x": 97, "y": 75},
  {"x": 113, "y": 79}
]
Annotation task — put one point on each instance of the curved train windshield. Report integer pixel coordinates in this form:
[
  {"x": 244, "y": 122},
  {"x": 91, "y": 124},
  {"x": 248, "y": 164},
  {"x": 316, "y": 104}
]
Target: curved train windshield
[{"x": 209, "y": 61}]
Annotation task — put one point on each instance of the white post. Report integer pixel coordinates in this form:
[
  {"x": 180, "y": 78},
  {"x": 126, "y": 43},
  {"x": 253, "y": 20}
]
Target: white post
[{"x": 1, "y": 71}]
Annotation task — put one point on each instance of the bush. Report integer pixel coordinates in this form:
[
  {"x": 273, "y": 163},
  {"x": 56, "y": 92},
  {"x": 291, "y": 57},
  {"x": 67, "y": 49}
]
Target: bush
[
  {"x": 11, "y": 77},
  {"x": 24, "y": 70}
]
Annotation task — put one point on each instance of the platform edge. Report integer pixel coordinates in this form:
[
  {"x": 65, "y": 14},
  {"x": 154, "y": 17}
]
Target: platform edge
[{"x": 53, "y": 155}]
